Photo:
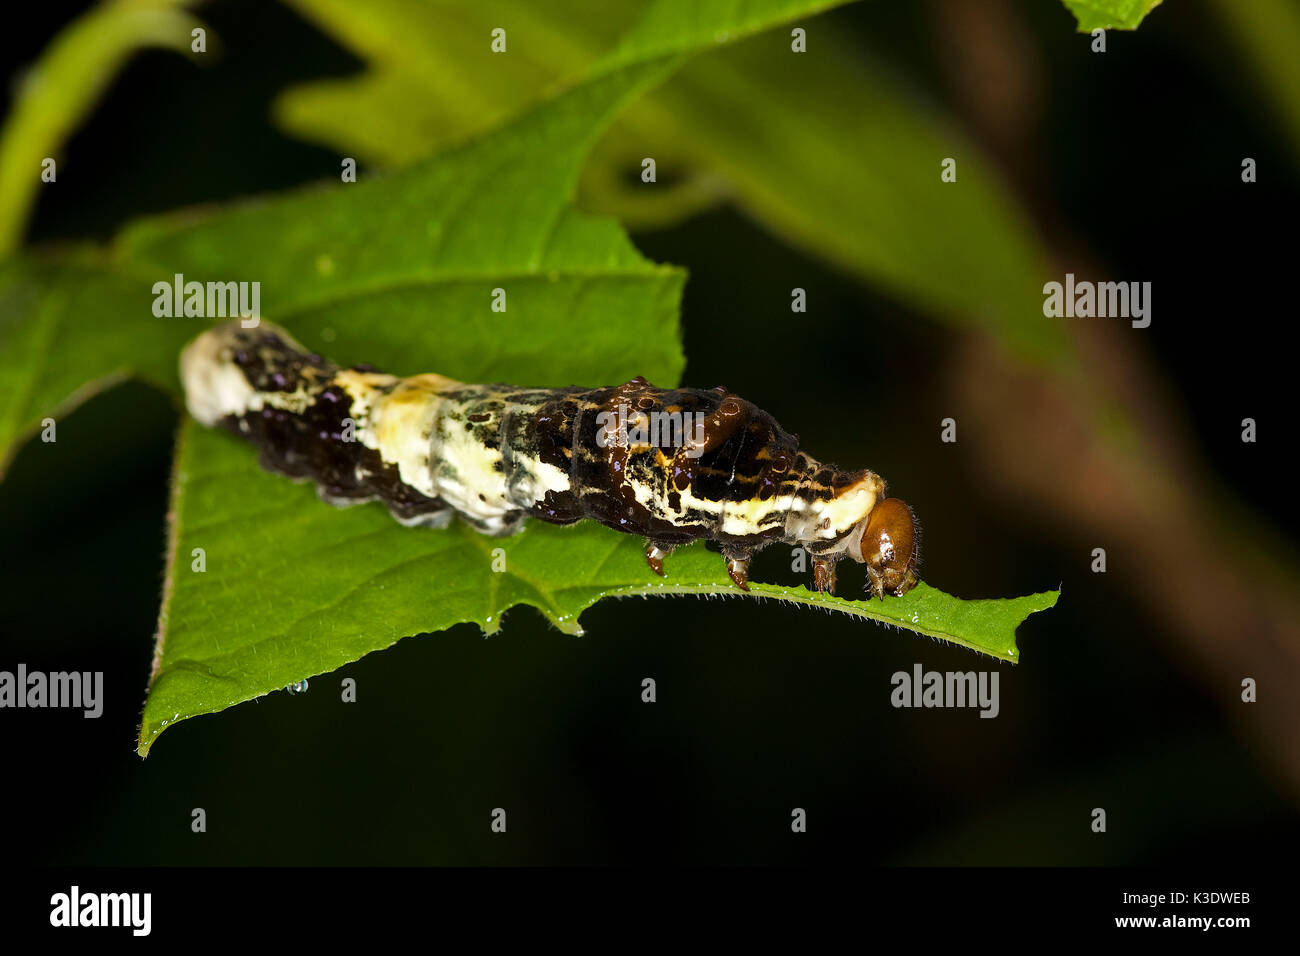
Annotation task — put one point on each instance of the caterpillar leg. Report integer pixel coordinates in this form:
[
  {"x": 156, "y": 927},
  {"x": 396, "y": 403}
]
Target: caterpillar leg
[
  {"x": 425, "y": 514},
  {"x": 654, "y": 556},
  {"x": 738, "y": 568},
  {"x": 824, "y": 575},
  {"x": 426, "y": 519}
]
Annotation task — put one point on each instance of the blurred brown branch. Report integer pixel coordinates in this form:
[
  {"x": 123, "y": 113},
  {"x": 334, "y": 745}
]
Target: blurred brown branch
[{"x": 1231, "y": 600}]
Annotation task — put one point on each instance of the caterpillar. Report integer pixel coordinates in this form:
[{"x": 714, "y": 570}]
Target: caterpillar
[{"x": 669, "y": 465}]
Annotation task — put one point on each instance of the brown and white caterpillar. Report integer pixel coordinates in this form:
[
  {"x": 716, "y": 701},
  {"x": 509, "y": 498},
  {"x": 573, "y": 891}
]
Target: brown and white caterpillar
[{"x": 430, "y": 447}]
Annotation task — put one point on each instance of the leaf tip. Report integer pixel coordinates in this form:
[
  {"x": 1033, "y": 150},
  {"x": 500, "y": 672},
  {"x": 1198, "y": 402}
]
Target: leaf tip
[{"x": 144, "y": 740}]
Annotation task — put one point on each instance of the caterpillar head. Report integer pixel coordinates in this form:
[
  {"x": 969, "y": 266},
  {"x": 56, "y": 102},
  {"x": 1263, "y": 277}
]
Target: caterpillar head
[{"x": 890, "y": 548}]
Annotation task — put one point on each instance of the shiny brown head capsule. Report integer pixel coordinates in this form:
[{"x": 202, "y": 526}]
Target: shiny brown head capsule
[{"x": 890, "y": 548}]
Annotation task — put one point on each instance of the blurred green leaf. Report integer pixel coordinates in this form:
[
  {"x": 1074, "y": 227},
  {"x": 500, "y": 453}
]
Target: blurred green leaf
[
  {"x": 1268, "y": 33},
  {"x": 71, "y": 326},
  {"x": 691, "y": 26},
  {"x": 844, "y": 162},
  {"x": 1109, "y": 14},
  {"x": 432, "y": 80},
  {"x": 57, "y": 93},
  {"x": 842, "y": 159}
]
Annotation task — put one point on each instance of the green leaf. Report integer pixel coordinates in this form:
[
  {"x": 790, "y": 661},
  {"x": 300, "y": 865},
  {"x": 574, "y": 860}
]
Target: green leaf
[
  {"x": 293, "y": 587},
  {"x": 424, "y": 249},
  {"x": 1109, "y": 14}
]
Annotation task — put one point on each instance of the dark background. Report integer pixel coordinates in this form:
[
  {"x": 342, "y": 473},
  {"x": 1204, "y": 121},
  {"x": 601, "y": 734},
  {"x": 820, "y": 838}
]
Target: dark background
[{"x": 761, "y": 707}]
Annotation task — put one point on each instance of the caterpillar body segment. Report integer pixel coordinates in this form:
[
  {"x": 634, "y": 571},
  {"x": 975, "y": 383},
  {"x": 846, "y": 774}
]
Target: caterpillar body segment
[{"x": 670, "y": 465}]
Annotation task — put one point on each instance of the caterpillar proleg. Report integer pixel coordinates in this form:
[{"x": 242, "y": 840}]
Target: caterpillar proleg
[{"x": 669, "y": 465}]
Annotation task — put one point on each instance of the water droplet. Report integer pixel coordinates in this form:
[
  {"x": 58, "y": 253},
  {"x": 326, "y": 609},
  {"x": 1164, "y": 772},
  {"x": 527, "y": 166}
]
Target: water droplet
[{"x": 297, "y": 688}]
